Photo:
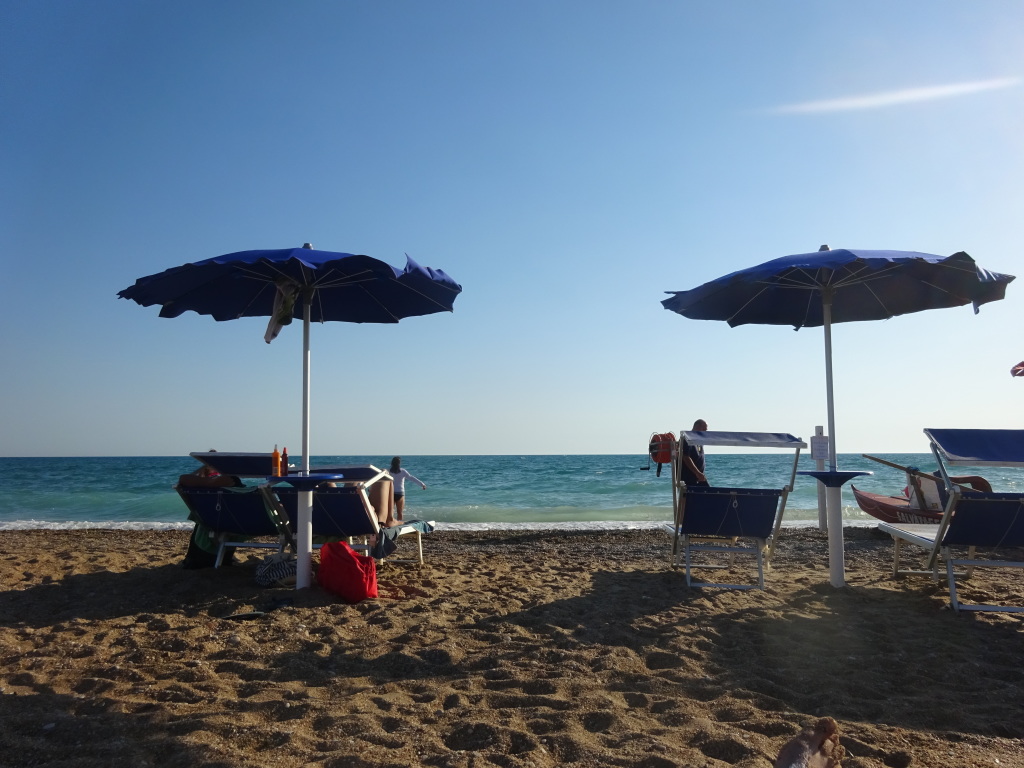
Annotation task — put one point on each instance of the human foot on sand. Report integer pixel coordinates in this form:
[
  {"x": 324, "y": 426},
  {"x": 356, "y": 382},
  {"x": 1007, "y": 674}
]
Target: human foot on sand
[{"x": 816, "y": 747}]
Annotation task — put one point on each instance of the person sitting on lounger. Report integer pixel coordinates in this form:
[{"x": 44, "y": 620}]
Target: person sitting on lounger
[
  {"x": 204, "y": 477},
  {"x": 202, "y": 548}
]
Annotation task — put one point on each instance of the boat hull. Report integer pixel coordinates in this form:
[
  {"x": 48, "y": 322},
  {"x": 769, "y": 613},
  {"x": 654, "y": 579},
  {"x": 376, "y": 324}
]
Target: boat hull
[{"x": 893, "y": 509}]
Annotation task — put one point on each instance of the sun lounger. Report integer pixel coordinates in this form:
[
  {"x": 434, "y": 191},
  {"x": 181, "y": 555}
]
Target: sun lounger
[
  {"x": 234, "y": 516},
  {"x": 738, "y": 521},
  {"x": 346, "y": 513},
  {"x": 712, "y": 521},
  {"x": 971, "y": 520}
]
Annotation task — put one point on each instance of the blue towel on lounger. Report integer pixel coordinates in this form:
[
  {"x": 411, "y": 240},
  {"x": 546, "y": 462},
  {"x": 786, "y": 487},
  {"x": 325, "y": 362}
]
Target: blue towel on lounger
[{"x": 386, "y": 539}]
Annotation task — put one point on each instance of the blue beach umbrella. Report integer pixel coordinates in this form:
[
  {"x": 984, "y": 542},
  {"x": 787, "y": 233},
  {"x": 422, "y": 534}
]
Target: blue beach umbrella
[
  {"x": 298, "y": 283},
  {"x": 812, "y": 289}
]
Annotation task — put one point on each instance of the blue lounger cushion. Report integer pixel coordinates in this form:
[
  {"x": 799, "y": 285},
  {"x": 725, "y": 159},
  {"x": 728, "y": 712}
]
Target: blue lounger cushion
[
  {"x": 987, "y": 520},
  {"x": 232, "y": 517},
  {"x": 730, "y": 512},
  {"x": 337, "y": 512},
  {"x": 240, "y": 511}
]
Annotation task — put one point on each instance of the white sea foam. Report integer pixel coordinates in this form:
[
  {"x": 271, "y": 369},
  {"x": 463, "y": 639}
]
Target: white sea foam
[
  {"x": 468, "y": 493},
  {"x": 590, "y": 525}
]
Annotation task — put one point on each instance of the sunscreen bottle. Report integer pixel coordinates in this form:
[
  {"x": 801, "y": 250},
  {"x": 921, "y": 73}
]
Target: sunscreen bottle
[{"x": 275, "y": 462}]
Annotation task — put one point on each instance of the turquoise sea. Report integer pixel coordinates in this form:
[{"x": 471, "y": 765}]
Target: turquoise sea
[{"x": 464, "y": 492}]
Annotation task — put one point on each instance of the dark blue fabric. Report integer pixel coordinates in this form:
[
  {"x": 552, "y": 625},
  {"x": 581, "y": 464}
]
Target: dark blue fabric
[
  {"x": 238, "y": 511},
  {"x": 978, "y": 447},
  {"x": 865, "y": 285},
  {"x": 988, "y": 520},
  {"x": 337, "y": 512},
  {"x": 345, "y": 287},
  {"x": 729, "y": 512},
  {"x": 832, "y": 478}
]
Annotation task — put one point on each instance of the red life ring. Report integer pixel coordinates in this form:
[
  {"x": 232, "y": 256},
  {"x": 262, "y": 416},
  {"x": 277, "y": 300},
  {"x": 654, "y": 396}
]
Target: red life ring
[{"x": 662, "y": 447}]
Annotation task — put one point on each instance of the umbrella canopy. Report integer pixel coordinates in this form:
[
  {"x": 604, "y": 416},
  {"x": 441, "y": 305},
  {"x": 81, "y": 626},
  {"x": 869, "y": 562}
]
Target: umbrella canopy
[
  {"x": 818, "y": 289},
  {"x": 339, "y": 286},
  {"x": 855, "y": 285},
  {"x": 298, "y": 283}
]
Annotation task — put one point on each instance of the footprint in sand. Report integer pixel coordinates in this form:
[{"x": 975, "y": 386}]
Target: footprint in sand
[{"x": 599, "y": 722}]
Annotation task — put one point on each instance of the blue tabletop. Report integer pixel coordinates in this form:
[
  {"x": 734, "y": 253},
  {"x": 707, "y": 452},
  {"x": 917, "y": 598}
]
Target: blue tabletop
[
  {"x": 304, "y": 482},
  {"x": 833, "y": 478}
]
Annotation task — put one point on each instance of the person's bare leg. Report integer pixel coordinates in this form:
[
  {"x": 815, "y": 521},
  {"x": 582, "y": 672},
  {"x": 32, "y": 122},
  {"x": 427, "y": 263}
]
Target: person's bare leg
[
  {"x": 816, "y": 747},
  {"x": 399, "y": 508}
]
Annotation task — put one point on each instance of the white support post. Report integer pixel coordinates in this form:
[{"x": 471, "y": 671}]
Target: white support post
[
  {"x": 833, "y": 496},
  {"x": 836, "y": 553},
  {"x": 304, "y": 534}
]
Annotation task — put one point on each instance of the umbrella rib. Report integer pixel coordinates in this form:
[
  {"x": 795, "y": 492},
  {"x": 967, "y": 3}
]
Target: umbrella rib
[
  {"x": 424, "y": 295},
  {"x": 262, "y": 277},
  {"x": 353, "y": 280},
  {"x": 946, "y": 291},
  {"x": 876, "y": 297},
  {"x": 747, "y": 303},
  {"x": 319, "y": 286},
  {"x": 334, "y": 277},
  {"x": 787, "y": 280},
  {"x": 253, "y": 299},
  {"x": 393, "y": 316},
  {"x": 367, "y": 276},
  {"x": 183, "y": 299},
  {"x": 854, "y": 278}
]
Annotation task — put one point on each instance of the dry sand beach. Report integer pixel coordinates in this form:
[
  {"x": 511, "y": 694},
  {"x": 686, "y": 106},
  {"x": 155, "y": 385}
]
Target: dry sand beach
[{"x": 505, "y": 649}]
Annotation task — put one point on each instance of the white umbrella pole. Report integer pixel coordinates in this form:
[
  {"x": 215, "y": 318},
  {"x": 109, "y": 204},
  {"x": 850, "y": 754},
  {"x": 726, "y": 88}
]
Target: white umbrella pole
[
  {"x": 826, "y": 311},
  {"x": 304, "y": 536},
  {"x": 833, "y": 495},
  {"x": 305, "y": 384}
]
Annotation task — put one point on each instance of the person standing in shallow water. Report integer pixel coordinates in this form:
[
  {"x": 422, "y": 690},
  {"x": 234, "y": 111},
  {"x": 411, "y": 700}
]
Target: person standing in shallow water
[{"x": 400, "y": 476}]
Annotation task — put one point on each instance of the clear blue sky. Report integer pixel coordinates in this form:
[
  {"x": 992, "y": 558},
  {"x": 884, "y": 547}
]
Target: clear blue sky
[{"x": 566, "y": 162}]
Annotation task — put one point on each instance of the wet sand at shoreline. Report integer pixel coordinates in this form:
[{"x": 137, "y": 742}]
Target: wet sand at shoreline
[{"x": 505, "y": 648}]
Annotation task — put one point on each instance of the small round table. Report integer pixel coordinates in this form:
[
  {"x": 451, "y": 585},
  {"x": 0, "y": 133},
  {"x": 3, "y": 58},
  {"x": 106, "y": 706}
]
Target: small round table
[
  {"x": 833, "y": 480},
  {"x": 304, "y": 484}
]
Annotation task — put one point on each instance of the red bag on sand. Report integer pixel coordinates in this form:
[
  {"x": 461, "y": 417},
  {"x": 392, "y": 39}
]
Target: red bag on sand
[{"x": 344, "y": 572}]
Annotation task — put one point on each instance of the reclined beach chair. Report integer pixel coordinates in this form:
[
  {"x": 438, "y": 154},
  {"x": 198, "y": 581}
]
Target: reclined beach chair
[
  {"x": 725, "y": 520},
  {"x": 235, "y": 516},
  {"x": 347, "y": 511},
  {"x": 971, "y": 520}
]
